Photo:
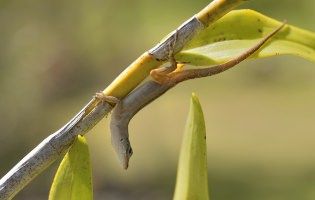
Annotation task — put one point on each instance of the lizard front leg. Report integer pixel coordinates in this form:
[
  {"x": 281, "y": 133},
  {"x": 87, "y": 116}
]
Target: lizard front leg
[{"x": 103, "y": 97}]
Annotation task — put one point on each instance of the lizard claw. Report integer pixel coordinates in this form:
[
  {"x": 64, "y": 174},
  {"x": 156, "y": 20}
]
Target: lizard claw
[{"x": 103, "y": 97}]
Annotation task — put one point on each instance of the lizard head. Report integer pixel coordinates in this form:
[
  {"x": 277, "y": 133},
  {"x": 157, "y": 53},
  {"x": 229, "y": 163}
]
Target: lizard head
[{"x": 124, "y": 152}]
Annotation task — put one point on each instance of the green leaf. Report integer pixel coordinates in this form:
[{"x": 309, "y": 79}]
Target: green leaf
[
  {"x": 73, "y": 178},
  {"x": 241, "y": 29},
  {"x": 192, "y": 178}
]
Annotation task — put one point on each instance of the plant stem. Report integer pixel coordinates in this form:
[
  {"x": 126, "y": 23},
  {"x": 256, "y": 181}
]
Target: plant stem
[
  {"x": 216, "y": 10},
  {"x": 57, "y": 143}
]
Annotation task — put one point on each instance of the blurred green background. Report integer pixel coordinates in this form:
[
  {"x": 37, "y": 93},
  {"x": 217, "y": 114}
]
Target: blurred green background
[{"x": 54, "y": 55}]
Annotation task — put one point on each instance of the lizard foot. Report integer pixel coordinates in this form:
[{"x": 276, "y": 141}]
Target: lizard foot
[{"x": 103, "y": 97}]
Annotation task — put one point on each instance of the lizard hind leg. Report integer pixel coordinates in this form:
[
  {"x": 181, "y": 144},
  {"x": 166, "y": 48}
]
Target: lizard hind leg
[
  {"x": 166, "y": 75},
  {"x": 159, "y": 75}
]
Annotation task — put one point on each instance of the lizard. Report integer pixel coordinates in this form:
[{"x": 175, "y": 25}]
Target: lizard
[{"x": 163, "y": 79}]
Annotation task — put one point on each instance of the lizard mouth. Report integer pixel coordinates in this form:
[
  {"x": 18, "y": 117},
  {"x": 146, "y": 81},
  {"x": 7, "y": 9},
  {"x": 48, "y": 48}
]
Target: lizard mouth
[
  {"x": 126, "y": 162},
  {"x": 127, "y": 156}
]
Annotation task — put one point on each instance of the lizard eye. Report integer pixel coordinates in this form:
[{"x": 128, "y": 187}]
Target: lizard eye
[{"x": 130, "y": 151}]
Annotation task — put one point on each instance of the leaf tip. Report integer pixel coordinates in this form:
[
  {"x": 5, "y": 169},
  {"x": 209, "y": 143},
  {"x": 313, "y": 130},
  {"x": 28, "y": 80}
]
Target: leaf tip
[{"x": 194, "y": 98}]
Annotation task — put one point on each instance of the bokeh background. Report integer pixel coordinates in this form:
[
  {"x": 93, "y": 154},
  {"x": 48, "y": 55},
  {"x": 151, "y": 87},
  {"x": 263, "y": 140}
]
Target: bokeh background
[{"x": 54, "y": 55}]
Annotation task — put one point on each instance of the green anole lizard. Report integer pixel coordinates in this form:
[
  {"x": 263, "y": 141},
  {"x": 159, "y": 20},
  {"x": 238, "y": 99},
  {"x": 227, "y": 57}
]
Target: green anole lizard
[{"x": 126, "y": 108}]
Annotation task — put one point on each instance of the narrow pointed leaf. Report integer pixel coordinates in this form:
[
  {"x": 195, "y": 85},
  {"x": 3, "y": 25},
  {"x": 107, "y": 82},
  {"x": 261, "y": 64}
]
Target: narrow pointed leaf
[
  {"x": 73, "y": 178},
  {"x": 192, "y": 178},
  {"x": 241, "y": 29}
]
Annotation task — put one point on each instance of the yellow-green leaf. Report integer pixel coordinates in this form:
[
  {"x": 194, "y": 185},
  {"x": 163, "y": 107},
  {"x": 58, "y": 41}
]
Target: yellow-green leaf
[
  {"x": 73, "y": 178},
  {"x": 192, "y": 178},
  {"x": 241, "y": 29}
]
